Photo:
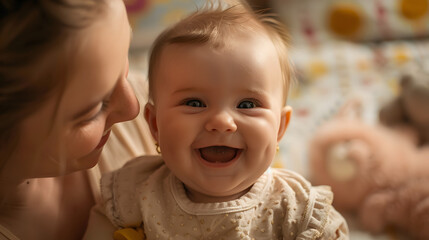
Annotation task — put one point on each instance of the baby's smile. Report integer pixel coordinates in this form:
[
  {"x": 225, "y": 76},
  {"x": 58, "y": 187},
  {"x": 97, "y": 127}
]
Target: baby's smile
[{"x": 218, "y": 154}]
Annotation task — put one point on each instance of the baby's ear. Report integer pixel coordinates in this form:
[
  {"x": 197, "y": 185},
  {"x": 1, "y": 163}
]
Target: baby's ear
[
  {"x": 285, "y": 115},
  {"x": 150, "y": 116}
]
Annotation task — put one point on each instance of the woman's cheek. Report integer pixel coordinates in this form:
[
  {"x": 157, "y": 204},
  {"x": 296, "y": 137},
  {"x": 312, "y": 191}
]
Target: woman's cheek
[{"x": 85, "y": 140}]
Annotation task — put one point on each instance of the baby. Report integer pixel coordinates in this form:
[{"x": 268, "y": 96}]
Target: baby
[{"x": 218, "y": 83}]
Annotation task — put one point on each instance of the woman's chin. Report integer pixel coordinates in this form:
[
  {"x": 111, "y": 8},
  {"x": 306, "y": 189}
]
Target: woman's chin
[{"x": 87, "y": 162}]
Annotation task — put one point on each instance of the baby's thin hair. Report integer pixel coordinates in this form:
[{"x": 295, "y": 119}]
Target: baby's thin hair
[{"x": 213, "y": 24}]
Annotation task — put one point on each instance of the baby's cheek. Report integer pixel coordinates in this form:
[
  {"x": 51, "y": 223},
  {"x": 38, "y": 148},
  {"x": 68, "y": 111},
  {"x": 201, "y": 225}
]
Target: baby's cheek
[
  {"x": 177, "y": 128},
  {"x": 262, "y": 130}
]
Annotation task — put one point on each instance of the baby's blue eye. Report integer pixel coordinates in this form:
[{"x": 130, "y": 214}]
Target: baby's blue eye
[
  {"x": 246, "y": 104},
  {"x": 194, "y": 103}
]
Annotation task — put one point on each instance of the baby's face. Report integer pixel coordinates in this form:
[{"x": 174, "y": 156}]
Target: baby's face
[{"x": 218, "y": 114}]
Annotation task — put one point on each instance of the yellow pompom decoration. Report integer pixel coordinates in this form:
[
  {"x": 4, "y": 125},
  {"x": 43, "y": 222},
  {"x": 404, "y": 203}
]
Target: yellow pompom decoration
[
  {"x": 345, "y": 19},
  {"x": 129, "y": 234},
  {"x": 414, "y": 9}
]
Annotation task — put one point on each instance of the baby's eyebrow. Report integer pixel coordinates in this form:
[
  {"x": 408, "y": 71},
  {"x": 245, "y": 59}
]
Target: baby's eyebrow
[
  {"x": 255, "y": 91},
  {"x": 188, "y": 89}
]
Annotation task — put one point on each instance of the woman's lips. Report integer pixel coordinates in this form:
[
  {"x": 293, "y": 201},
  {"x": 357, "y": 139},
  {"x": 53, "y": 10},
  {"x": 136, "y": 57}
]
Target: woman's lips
[{"x": 103, "y": 140}]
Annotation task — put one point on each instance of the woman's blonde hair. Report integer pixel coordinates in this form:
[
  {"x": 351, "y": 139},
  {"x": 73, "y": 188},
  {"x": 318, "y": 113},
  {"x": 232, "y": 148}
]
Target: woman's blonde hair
[
  {"x": 35, "y": 52},
  {"x": 212, "y": 24}
]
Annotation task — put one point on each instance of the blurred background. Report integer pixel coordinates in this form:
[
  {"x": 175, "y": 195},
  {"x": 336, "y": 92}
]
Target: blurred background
[{"x": 343, "y": 50}]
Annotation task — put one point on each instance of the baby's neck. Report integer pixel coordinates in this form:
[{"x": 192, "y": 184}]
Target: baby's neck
[
  {"x": 46, "y": 208},
  {"x": 198, "y": 197}
]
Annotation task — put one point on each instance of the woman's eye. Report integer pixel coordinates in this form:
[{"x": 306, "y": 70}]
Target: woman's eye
[
  {"x": 194, "y": 103},
  {"x": 246, "y": 104},
  {"x": 103, "y": 109}
]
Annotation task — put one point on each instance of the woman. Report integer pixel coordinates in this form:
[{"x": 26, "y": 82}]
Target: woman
[{"x": 63, "y": 85}]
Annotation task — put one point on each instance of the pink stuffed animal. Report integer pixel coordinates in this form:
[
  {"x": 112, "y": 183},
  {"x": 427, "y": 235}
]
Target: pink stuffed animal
[
  {"x": 374, "y": 171},
  {"x": 405, "y": 206}
]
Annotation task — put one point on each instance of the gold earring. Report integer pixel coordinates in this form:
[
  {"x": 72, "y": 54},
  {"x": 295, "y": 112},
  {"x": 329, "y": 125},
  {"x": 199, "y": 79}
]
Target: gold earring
[
  {"x": 158, "y": 148},
  {"x": 277, "y": 162}
]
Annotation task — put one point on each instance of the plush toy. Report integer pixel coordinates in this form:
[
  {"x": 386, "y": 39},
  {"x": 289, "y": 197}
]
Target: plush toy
[
  {"x": 374, "y": 171},
  {"x": 405, "y": 206},
  {"x": 410, "y": 110}
]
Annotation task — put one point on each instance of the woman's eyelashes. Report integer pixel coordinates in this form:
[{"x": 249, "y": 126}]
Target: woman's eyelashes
[
  {"x": 103, "y": 109},
  {"x": 104, "y": 106}
]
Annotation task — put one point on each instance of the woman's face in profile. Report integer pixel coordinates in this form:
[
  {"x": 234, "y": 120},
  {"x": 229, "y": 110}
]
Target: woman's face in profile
[{"x": 54, "y": 142}]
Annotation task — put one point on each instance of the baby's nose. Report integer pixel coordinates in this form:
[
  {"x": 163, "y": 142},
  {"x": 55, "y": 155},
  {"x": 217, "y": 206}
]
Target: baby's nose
[{"x": 221, "y": 122}]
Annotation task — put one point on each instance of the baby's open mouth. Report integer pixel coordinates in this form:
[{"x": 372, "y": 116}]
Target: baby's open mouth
[{"x": 218, "y": 154}]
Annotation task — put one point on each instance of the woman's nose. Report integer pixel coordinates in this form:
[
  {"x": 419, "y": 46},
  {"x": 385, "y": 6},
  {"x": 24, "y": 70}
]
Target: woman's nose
[
  {"x": 124, "y": 104},
  {"x": 221, "y": 122}
]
